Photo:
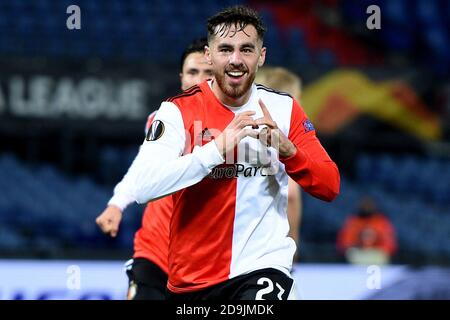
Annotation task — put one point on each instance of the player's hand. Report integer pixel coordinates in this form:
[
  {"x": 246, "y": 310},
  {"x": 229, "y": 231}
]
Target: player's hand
[
  {"x": 242, "y": 126},
  {"x": 109, "y": 220},
  {"x": 272, "y": 135}
]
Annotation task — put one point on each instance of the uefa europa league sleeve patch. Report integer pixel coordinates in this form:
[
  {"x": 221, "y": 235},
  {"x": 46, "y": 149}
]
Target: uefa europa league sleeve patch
[
  {"x": 308, "y": 126},
  {"x": 155, "y": 131}
]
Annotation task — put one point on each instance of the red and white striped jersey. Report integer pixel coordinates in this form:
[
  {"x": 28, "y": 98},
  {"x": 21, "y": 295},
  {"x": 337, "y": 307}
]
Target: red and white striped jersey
[
  {"x": 229, "y": 218},
  {"x": 151, "y": 241}
]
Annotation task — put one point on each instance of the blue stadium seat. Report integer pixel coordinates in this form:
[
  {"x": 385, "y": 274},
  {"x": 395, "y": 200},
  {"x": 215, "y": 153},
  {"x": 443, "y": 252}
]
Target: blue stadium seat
[
  {"x": 427, "y": 11},
  {"x": 11, "y": 240},
  {"x": 63, "y": 208},
  {"x": 397, "y": 12},
  {"x": 295, "y": 49},
  {"x": 326, "y": 58}
]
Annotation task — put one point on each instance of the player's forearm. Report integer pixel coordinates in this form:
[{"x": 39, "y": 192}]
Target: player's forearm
[
  {"x": 156, "y": 177},
  {"x": 294, "y": 209},
  {"x": 123, "y": 194},
  {"x": 121, "y": 200},
  {"x": 311, "y": 168}
]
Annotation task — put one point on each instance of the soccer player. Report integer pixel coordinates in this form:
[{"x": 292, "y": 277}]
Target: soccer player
[
  {"x": 147, "y": 271},
  {"x": 224, "y": 150}
]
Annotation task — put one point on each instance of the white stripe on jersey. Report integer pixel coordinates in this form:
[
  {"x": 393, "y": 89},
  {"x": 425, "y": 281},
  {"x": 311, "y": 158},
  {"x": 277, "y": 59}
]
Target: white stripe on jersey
[{"x": 261, "y": 227}]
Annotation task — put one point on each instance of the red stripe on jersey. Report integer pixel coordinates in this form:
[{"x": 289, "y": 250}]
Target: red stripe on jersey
[
  {"x": 199, "y": 258},
  {"x": 189, "y": 91},
  {"x": 149, "y": 121},
  {"x": 184, "y": 95},
  {"x": 152, "y": 239}
]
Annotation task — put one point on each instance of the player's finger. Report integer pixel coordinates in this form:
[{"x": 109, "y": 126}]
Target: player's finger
[
  {"x": 246, "y": 118},
  {"x": 266, "y": 121},
  {"x": 245, "y": 114},
  {"x": 105, "y": 225},
  {"x": 100, "y": 222},
  {"x": 275, "y": 138},
  {"x": 113, "y": 232},
  {"x": 106, "y": 228},
  {"x": 245, "y": 123},
  {"x": 264, "y": 137},
  {"x": 248, "y": 132},
  {"x": 264, "y": 110}
]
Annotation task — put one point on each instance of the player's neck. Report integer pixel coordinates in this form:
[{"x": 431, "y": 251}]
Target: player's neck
[{"x": 227, "y": 100}]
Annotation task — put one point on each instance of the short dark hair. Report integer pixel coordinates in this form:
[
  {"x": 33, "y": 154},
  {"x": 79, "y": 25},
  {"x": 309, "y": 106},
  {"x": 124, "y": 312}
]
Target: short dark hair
[
  {"x": 239, "y": 16},
  {"x": 198, "y": 45}
]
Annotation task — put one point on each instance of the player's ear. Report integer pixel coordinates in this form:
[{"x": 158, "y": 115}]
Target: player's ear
[
  {"x": 208, "y": 55},
  {"x": 262, "y": 57}
]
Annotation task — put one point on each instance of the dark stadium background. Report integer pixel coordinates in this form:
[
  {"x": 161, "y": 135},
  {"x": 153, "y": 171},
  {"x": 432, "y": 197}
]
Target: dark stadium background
[{"x": 73, "y": 104}]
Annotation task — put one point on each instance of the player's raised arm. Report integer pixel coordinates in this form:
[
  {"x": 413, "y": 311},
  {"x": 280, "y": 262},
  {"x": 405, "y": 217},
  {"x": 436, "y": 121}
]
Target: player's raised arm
[{"x": 310, "y": 166}]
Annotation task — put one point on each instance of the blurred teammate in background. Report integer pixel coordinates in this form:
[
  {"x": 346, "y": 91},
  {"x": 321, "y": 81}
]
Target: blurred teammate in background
[
  {"x": 194, "y": 67},
  {"x": 229, "y": 227},
  {"x": 147, "y": 271},
  {"x": 283, "y": 80}
]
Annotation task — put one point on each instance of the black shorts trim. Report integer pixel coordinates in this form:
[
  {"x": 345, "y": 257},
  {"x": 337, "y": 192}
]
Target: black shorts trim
[
  {"x": 264, "y": 284},
  {"x": 146, "y": 281}
]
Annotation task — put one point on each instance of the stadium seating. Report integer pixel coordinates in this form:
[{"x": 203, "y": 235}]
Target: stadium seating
[
  {"x": 422, "y": 24},
  {"x": 428, "y": 179},
  {"x": 137, "y": 30},
  {"x": 421, "y": 227},
  {"x": 40, "y": 205}
]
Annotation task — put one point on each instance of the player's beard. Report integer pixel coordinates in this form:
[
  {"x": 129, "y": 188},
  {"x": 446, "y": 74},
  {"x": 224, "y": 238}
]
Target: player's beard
[{"x": 235, "y": 91}]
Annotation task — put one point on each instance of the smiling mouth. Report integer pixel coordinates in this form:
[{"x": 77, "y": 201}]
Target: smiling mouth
[{"x": 235, "y": 74}]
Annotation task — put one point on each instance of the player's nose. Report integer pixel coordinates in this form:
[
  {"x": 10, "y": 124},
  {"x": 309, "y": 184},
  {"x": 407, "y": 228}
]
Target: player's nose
[{"x": 236, "y": 58}]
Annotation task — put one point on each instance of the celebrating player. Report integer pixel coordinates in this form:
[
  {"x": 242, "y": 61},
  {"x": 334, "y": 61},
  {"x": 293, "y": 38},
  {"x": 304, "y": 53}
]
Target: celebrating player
[{"x": 224, "y": 149}]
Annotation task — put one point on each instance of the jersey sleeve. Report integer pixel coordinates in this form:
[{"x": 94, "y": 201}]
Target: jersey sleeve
[
  {"x": 122, "y": 197},
  {"x": 150, "y": 119},
  {"x": 160, "y": 168},
  {"x": 310, "y": 166}
]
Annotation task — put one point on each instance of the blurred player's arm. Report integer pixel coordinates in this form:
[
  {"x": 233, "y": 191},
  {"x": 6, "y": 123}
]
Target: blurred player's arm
[{"x": 294, "y": 209}]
